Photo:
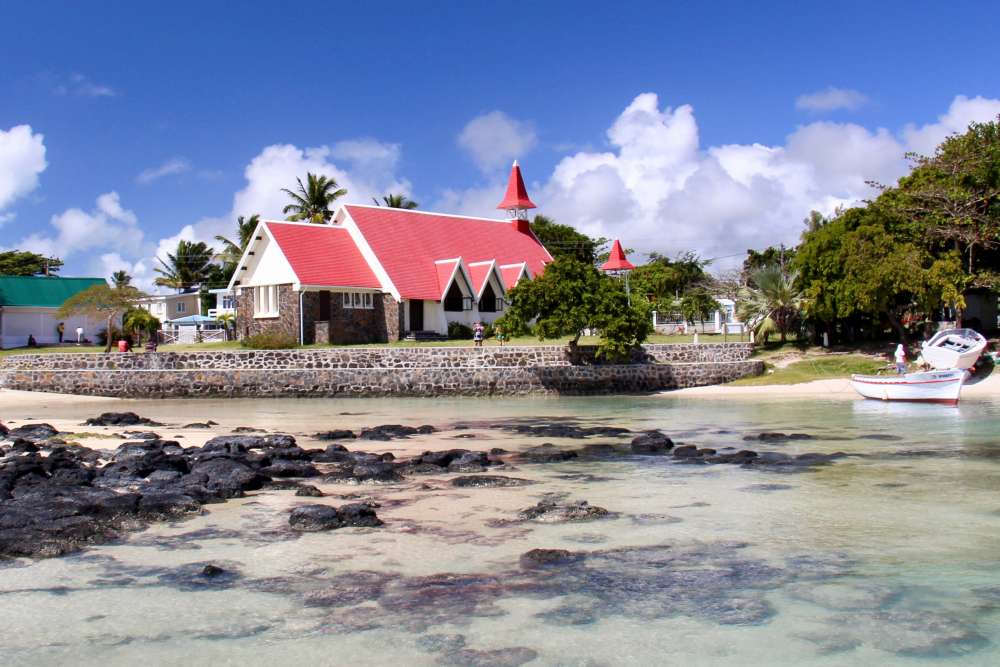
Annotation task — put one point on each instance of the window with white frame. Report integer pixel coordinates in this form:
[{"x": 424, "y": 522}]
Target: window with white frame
[
  {"x": 228, "y": 302},
  {"x": 181, "y": 307},
  {"x": 265, "y": 301},
  {"x": 359, "y": 300}
]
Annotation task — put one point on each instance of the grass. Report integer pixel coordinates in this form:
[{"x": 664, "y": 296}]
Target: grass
[
  {"x": 826, "y": 367},
  {"x": 234, "y": 345}
]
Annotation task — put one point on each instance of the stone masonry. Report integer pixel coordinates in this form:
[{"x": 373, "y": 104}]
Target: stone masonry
[{"x": 430, "y": 371}]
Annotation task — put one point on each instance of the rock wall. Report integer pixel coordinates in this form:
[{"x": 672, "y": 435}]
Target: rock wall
[{"x": 430, "y": 371}]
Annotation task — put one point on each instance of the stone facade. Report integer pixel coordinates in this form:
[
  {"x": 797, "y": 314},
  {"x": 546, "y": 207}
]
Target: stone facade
[
  {"x": 368, "y": 372},
  {"x": 286, "y": 322}
]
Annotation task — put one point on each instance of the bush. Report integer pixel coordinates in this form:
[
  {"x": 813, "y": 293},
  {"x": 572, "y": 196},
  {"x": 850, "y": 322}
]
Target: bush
[
  {"x": 116, "y": 335},
  {"x": 488, "y": 331},
  {"x": 269, "y": 341},
  {"x": 458, "y": 331}
]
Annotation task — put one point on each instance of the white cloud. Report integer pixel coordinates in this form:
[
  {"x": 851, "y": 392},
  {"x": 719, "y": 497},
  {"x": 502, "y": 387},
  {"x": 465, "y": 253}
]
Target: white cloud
[
  {"x": 494, "y": 139},
  {"x": 22, "y": 159},
  {"x": 171, "y": 167},
  {"x": 962, "y": 111},
  {"x": 831, "y": 99},
  {"x": 79, "y": 85}
]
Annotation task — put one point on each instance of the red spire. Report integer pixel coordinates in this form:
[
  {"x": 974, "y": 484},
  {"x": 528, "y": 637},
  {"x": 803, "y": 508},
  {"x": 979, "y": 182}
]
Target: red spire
[
  {"x": 517, "y": 194},
  {"x": 617, "y": 260}
]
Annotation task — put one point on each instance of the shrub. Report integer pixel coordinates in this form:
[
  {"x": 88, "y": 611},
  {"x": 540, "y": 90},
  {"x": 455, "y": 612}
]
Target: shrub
[
  {"x": 269, "y": 341},
  {"x": 488, "y": 331},
  {"x": 116, "y": 335},
  {"x": 459, "y": 331}
]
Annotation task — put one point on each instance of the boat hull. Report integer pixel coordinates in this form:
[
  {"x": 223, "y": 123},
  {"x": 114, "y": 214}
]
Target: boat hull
[
  {"x": 954, "y": 349},
  {"x": 931, "y": 387}
]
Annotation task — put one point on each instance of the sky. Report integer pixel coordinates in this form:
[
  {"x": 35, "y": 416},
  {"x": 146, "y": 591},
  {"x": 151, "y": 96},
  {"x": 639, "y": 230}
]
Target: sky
[{"x": 125, "y": 126}]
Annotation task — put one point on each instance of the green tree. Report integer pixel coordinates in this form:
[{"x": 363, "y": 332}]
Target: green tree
[
  {"x": 18, "y": 263},
  {"x": 663, "y": 280},
  {"x": 190, "y": 265},
  {"x": 140, "y": 322},
  {"x": 771, "y": 302},
  {"x": 565, "y": 241},
  {"x": 397, "y": 201},
  {"x": 232, "y": 251},
  {"x": 101, "y": 301},
  {"x": 313, "y": 201},
  {"x": 571, "y": 296},
  {"x": 121, "y": 279},
  {"x": 698, "y": 305}
]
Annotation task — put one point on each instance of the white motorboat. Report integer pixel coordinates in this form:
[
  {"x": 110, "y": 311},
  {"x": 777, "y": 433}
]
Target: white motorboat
[
  {"x": 929, "y": 386},
  {"x": 953, "y": 348}
]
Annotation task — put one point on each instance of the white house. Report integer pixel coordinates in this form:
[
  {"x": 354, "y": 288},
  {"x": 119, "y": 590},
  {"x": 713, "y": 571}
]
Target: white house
[{"x": 28, "y": 306}]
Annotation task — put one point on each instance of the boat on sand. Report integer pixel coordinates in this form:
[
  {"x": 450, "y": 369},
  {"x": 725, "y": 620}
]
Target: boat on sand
[
  {"x": 942, "y": 386},
  {"x": 953, "y": 348}
]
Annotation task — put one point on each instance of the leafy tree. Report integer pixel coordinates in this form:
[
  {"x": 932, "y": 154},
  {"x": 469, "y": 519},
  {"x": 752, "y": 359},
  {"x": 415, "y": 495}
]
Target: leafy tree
[
  {"x": 233, "y": 250},
  {"x": 190, "y": 265},
  {"x": 664, "y": 280},
  {"x": 101, "y": 301},
  {"x": 565, "y": 241},
  {"x": 139, "y": 322},
  {"x": 772, "y": 255},
  {"x": 771, "y": 302},
  {"x": 571, "y": 296},
  {"x": 313, "y": 201},
  {"x": 698, "y": 305},
  {"x": 397, "y": 201},
  {"x": 18, "y": 263},
  {"x": 121, "y": 279}
]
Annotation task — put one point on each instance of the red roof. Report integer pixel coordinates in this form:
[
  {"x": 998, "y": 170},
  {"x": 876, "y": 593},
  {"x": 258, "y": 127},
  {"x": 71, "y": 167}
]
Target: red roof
[
  {"x": 617, "y": 261},
  {"x": 480, "y": 273},
  {"x": 445, "y": 270},
  {"x": 517, "y": 194},
  {"x": 322, "y": 255},
  {"x": 407, "y": 243},
  {"x": 511, "y": 275}
]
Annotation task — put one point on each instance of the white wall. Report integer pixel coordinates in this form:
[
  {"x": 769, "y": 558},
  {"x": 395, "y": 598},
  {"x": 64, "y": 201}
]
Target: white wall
[
  {"x": 19, "y": 323},
  {"x": 268, "y": 266}
]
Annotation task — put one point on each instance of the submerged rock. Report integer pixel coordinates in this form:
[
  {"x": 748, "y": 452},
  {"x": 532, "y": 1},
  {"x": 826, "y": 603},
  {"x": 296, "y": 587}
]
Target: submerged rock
[
  {"x": 651, "y": 442},
  {"x": 314, "y": 518},
  {"x": 391, "y": 431},
  {"x": 488, "y": 481},
  {"x": 544, "y": 557},
  {"x": 775, "y": 436},
  {"x": 342, "y": 434},
  {"x": 551, "y": 511},
  {"x": 546, "y": 453}
]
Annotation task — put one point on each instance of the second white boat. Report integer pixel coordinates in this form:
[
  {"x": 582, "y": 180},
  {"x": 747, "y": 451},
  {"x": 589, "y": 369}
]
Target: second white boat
[{"x": 930, "y": 386}]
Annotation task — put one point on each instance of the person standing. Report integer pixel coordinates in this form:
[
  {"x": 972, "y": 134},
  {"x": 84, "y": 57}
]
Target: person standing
[
  {"x": 900, "y": 357},
  {"x": 477, "y": 334},
  {"x": 61, "y": 329},
  {"x": 79, "y": 335},
  {"x": 500, "y": 335}
]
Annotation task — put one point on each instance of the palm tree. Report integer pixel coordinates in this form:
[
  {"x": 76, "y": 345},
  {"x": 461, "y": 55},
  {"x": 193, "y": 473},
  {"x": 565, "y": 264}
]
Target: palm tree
[
  {"x": 121, "y": 279},
  {"x": 312, "y": 201},
  {"x": 771, "y": 302},
  {"x": 231, "y": 250},
  {"x": 188, "y": 266},
  {"x": 139, "y": 321},
  {"x": 397, "y": 201}
]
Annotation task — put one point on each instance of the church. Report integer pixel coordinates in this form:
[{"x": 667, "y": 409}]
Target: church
[{"x": 375, "y": 274}]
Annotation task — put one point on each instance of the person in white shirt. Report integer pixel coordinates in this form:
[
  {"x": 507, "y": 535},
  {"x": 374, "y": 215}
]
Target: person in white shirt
[
  {"x": 900, "y": 359},
  {"x": 79, "y": 335}
]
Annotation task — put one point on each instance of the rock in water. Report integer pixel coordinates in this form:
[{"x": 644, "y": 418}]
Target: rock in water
[
  {"x": 119, "y": 419},
  {"x": 546, "y": 453},
  {"x": 341, "y": 434},
  {"x": 315, "y": 518},
  {"x": 543, "y": 557},
  {"x": 550, "y": 511},
  {"x": 309, "y": 490},
  {"x": 652, "y": 442},
  {"x": 488, "y": 481}
]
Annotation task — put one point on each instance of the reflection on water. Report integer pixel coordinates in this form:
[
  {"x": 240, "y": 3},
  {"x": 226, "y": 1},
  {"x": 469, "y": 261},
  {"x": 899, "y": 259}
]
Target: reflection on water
[{"x": 888, "y": 556}]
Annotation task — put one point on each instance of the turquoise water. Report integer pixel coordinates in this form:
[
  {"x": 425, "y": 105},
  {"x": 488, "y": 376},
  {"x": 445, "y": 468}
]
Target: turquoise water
[{"x": 889, "y": 556}]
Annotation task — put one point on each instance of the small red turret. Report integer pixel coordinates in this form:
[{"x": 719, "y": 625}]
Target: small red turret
[
  {"x": 617, "y": 261},
  {"x": 516, "y": 201}
]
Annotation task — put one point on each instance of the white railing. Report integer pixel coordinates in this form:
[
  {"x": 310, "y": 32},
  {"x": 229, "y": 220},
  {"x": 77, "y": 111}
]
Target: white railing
[{"x": 190, "y": 335}]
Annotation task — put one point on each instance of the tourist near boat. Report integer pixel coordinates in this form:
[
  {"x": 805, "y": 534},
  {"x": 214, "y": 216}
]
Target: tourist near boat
[
  {"x": 940, "y": 386},
  {"x": 953, "y": 348}
]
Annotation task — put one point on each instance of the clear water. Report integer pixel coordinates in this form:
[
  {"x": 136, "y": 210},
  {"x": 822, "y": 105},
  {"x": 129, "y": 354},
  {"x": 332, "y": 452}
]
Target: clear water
[{"x": 890, "y": 557}]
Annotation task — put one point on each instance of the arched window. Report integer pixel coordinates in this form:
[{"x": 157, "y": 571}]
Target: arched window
[
  {"x": 488, "y": 301},
  {"x": 454, "y": 300}
]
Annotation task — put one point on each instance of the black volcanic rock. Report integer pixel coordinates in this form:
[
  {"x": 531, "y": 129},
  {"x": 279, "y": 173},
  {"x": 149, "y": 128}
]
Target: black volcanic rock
[
  {"x": 35, "y": 433},
  {"x": 488, "y": 481},
  {"x": 315, "y": 518},
  {"x": 341, "y": 434},
  {"x": 120, "y": 419},
  {"x": 651, "y": 442}
]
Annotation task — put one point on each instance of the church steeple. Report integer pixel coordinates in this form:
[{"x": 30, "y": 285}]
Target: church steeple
[{"x": 516, "y": 201}]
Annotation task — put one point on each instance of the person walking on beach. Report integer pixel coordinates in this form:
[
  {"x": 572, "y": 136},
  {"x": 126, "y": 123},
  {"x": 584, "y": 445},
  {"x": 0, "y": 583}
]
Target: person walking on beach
[
  {"x": 60, "y": 329},
  {"x": 477, "y": 334},
  {"x": 900, "y": 357}
]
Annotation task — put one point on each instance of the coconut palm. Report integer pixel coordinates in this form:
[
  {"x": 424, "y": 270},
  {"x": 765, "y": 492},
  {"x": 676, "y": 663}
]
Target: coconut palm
[
  {"x": 190, "y": 265},
  {"x": 312, "y": 202},
  {"x": 121, "y": 279},
  {"x": 233, "y": 250},
  {"x": 228, "y": 321},
  {"x": 771, "y": 302},
  {"x": 397, "y": 201}
]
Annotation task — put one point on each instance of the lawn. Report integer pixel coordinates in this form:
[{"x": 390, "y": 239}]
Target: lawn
[
  {"x": 823, "y": 367},
  {"x": 234, "y": 345}
]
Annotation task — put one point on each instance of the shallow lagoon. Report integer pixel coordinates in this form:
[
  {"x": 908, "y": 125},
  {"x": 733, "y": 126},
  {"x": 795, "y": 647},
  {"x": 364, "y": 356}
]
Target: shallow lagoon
[{"x": 890, "y": 556}]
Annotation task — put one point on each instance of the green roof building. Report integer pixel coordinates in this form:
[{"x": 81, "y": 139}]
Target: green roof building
[{"x": 28, "y": 307}]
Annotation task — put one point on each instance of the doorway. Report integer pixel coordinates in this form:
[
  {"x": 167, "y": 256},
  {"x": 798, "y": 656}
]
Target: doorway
[{"x": 416, "y": 315}]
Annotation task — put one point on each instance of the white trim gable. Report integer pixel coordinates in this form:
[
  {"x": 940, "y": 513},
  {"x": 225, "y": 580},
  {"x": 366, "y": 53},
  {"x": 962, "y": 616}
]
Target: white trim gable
[
  {"x": 343, "y": 219},
  {"x": 466, "y": 278},
  {"x": 492, "y": 274},
  {"x": 523, "y": 273}
]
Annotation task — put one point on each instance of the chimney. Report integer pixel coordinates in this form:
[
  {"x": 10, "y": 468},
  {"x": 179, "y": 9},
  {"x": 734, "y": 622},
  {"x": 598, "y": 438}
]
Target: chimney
[{"x": 516, "y": 201}]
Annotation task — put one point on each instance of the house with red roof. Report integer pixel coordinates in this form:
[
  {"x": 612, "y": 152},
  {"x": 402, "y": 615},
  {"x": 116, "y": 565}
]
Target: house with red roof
[{"x": 378, "y": 274}]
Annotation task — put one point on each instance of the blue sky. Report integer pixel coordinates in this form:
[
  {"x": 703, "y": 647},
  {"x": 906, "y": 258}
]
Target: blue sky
[{"x": 669, "y": 125}]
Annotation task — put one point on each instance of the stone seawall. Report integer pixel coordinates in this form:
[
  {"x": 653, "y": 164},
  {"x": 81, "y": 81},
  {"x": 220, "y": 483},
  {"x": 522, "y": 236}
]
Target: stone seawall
[{"x": 374, "y": 372}]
